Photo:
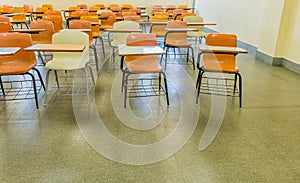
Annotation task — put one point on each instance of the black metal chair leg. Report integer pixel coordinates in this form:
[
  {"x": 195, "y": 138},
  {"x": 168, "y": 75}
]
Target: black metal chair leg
[
  {"x": 193, "y": 57},
  {"x": 199, "y": 85},
  {"x": 234, "y": 86},
  {"x": 1, "y": 85},
  {"x": 40, "y": 77},
  {"x": 166, "y": 88},
  {"x": 240, "y": 88},
  {"x": 34, "y": 88}
]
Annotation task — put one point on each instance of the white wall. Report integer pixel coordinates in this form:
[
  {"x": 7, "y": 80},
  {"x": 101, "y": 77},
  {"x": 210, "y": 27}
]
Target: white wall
[
  {"x": 272, "y": 26},
  {"x": 243, "y": 17}
]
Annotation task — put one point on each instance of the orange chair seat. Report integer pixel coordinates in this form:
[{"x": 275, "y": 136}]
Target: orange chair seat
[
  {"x": 13, "y": 67},
  {"x": 143, "y": 64}
]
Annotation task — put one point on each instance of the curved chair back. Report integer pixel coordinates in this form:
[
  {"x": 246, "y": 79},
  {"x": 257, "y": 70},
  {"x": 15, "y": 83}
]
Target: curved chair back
[
  {"x": 26, "y": 59},
  {"x": 27, "y": 8},
  {"x": 128, "y": 13},
  {"x": 139, "y": 39},
  {"x": 109, "y": 22},
  {"x": 135, "y": 18},
  {"x": 53, "y": 12},
  {"x": 6, "y": 26},
  {"x": 82, "y": 6},
  {"x": 160, "y": 17},
  {"x": 18, "y": 10},
  {"x": 76, "y": 59},
  {"x": 177, "y": 14},
  {"x": 44, "y": 37},
  {"x": 221, "y": 39},
  {"x": 182, "y": 36},
  {"x": 47, "y": 6}
]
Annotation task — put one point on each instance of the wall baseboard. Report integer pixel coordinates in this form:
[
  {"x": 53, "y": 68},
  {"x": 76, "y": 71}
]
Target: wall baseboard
[{"x": 275, "y": 61}]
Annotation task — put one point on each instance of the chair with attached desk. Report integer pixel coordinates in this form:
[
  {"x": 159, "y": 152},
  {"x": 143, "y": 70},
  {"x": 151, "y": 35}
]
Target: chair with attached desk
[
  {"x": 219, "y": 62},
  {"x": 200, "y": 34},
  {"x": 120, "y": 37},
  {"x": 69, "y": 61},
  {"x": 142, "y": 64},
  {"x": 44, "y": 37},
  {"x": 20, "y": 63},
  {"x": 177, "y": 39},
  {"x": 5, "y": 26}
]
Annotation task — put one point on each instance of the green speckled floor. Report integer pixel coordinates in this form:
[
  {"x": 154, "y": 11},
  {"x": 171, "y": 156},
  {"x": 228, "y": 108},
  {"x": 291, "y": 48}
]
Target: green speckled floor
[{"x": 258, "y": 143}]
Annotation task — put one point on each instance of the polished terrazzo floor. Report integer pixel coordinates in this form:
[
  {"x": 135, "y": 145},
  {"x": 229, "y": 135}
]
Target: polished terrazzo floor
[{"x": 258, "y": 143}]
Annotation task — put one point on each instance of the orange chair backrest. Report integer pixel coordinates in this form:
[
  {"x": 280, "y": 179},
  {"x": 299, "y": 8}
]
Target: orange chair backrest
[
  {"x": 5, "y": 27},
  {"x": 177, "y": 36},
  {"x": 135, "y": 18},
  {"x": 111, "y": 18},
  {"x": 94, "y": 9},
  {"x": 183, "y": 6},
  {"x": 137, "y": 10},
  {"x": 17, "y": 40},
  {"x": 44, "y": 37},
  {"x": 28, "y": 8},
  {"x": 141, "y": 39},
  {"x": 47, "y": 6},
  {"x": 113, "y": 5},
  {"x": 221, "y": 39},
  {"x": 126, "y": 7},
  {"x": 18, "y": 10},
  {"x": 57, "y": 21},
  {"x": 177, "y": 14},
  {"x": 157, "y": 6},
  {"x": 160, "y": 16},
  {"x": 73, "y": 8},
  {"x": 7, "y": 8},
  {"x": 82, "y": 6},
  {"x": 188, "y": 14},
  {"x": 128, "y": 13},
  {"x": 53, "y": 12}
]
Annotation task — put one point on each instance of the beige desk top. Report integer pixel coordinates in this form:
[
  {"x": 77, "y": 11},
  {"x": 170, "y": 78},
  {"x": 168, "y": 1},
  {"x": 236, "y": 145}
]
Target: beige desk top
[{"x": 56, "y": 47}]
